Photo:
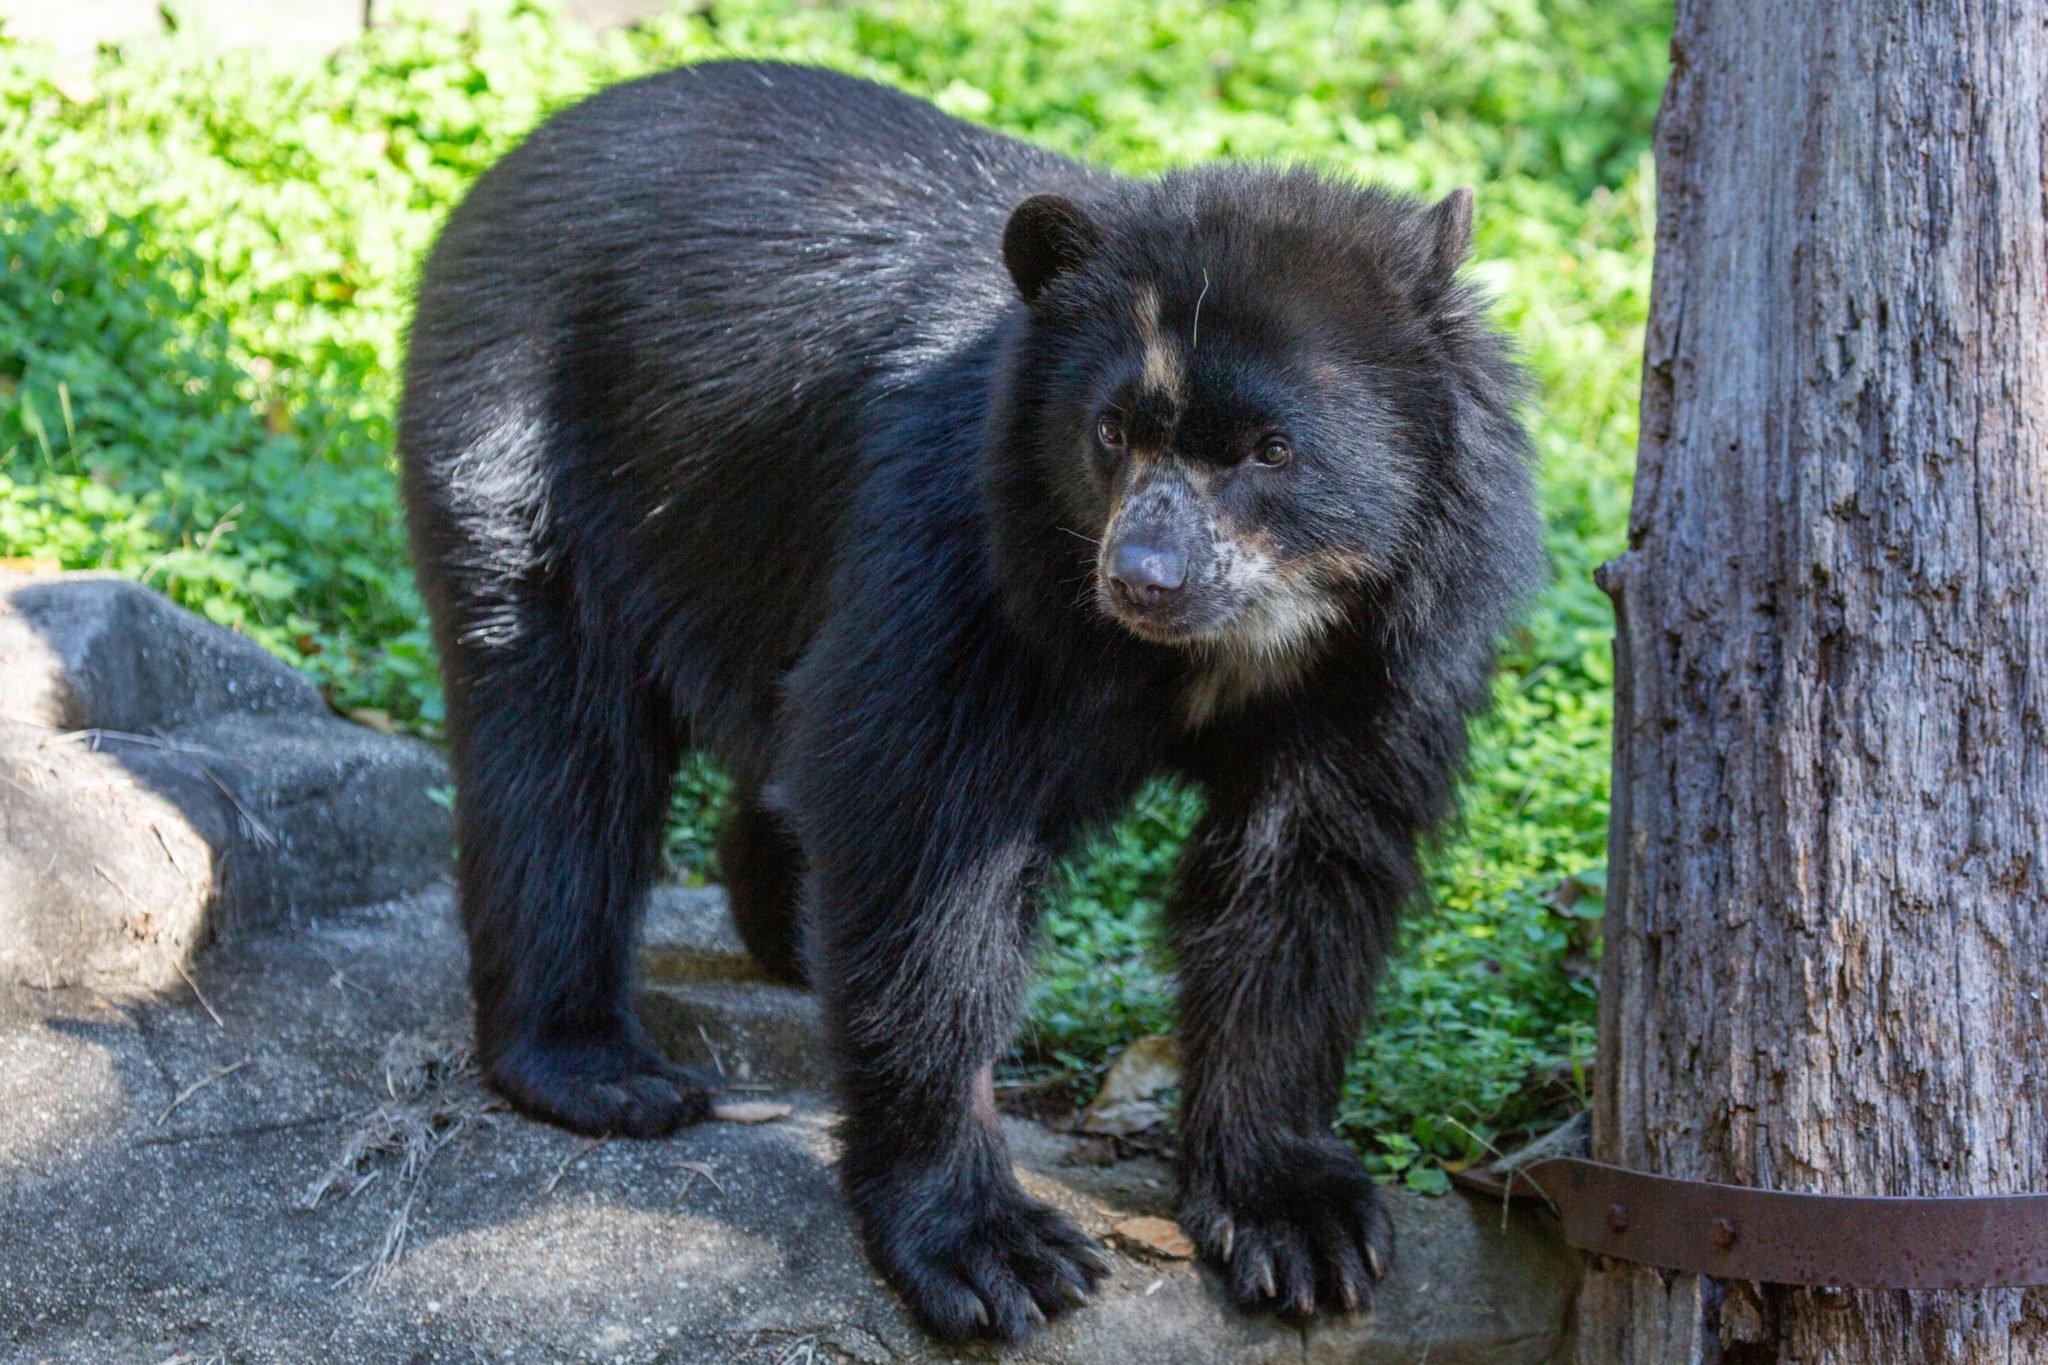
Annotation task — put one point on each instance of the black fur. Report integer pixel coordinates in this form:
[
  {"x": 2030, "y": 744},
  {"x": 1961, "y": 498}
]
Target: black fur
[{"x": 726, "y": 426}]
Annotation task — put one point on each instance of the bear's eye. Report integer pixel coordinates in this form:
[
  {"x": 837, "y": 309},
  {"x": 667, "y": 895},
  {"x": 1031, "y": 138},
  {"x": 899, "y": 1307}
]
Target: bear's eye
[
  {"x": 1110, "y": 432},
  {"x": 1273, "y": 452}
]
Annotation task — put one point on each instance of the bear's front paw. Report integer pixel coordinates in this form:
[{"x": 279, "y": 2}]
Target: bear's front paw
[
  {"x": 1299, "y": 1226},
  {"x": 976, "y": 1256}
]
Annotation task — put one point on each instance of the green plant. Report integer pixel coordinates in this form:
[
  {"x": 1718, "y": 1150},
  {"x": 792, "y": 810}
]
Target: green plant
[{"x": 696, "y": 810}]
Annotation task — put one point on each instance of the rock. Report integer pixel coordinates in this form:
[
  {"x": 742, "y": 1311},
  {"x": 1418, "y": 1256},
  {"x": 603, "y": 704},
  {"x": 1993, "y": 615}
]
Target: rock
[
  {"x": 91, "y": 650},
  {"x": 689, "y": 936},
  {"x": 750, "y": 1033},
  {"x": 99, "y": 874},
  {"x": 706, "y": 1002},
  {"x": 162, "y": 779},
  {"x": 134, "y": 1239}
]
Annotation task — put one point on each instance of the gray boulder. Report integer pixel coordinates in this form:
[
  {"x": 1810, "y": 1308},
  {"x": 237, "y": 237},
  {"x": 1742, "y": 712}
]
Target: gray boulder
[
  {"x": 162, "y": 779},
  {"x": 323, "y": 1177}
]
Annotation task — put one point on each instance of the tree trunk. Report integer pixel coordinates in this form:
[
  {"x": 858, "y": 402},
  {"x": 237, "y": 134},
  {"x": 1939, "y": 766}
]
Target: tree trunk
[{"x": 1829, "y": 852}]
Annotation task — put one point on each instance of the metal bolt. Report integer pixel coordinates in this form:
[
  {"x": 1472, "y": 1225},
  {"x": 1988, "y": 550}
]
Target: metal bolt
[
  {"x": 1617, "y": 1218},
  {"x": 1724, "y": 1233}
]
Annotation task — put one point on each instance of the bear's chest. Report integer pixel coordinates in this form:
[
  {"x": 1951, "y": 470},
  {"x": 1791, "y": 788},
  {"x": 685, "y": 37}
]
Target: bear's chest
[{"x": 1225, "y": 683}]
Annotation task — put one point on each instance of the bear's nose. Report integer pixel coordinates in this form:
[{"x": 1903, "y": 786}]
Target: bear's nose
[{"x": 1147, "y": 575}]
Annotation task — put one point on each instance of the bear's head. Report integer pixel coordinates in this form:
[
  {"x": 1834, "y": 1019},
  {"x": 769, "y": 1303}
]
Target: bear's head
[{"x": 1257, "y": 404}]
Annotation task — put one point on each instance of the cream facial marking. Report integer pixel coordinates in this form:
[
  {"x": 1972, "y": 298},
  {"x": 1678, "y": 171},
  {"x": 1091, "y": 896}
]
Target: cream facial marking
[
  {"x": 1282, "y": 607},
  {"x": 1268, "y": 645},
  {"x": 1162, "y": 365}
]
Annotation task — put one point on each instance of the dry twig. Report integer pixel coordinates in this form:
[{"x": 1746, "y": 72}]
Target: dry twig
[
  {"x": 189, "y": 1091},
  {"x": 583, "y": 1149},
  {"x": 204, "y": 1002}
]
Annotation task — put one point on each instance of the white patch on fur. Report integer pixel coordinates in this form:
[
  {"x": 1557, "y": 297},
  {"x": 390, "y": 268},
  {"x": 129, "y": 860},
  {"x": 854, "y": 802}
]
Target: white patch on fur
[{"x": 500, "y": 508}]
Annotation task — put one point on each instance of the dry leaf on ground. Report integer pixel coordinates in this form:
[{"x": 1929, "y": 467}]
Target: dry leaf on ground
[
  {"x": 1126, "y": 1105},
  {"x": 749, "y": 1111},
  {"x": 1158, "y": 1236}
]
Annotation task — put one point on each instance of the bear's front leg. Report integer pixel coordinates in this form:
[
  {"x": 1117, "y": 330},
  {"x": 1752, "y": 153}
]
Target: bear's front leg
[
  {"x": 1286, "y": 906},
  {"x": 921, "y": 957}
]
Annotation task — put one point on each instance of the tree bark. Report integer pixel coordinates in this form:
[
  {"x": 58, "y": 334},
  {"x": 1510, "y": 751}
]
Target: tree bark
[{"x": 1829, "y": 845}]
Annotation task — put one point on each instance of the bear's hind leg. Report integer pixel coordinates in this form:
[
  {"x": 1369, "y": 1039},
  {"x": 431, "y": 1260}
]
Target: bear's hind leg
[
  {"x": 762, "y": 867},
  {"x": 563, "y": 756}
]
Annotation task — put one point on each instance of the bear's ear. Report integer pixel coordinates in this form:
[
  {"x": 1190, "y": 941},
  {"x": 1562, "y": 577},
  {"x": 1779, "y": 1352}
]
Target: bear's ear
[
  {"x": 1450, "y": 231},
  {"x": 1048, "y": 234}
]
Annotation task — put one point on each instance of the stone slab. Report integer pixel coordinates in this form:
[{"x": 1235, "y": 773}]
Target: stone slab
[
  {"x": 139, "y": 1234},
  {"x": 688, "y": 935},
  {"x": 753, "y": 1034},
  {"x": 93, "y": 650},
  {"x": 708, "y": 1004}
]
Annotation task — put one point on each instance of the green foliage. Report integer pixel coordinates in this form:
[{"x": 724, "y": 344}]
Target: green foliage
[
  {"x": 1102, "y": 983},
  {"x": 135, "y": 442},
  {"x": 205, "y": 257},
  {"x": 695, "y": 811}
]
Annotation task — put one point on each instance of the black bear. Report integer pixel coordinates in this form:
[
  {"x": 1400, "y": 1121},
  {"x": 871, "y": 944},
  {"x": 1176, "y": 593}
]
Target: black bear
[{"x": 945, "y": 490}]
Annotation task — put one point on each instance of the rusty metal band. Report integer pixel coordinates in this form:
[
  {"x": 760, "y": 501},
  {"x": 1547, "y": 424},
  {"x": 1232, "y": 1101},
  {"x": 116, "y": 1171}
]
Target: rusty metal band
[{"x": 1773, "y": 1237}]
